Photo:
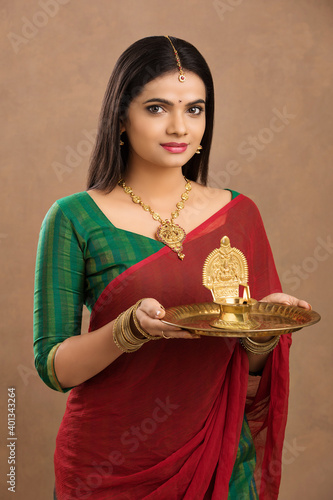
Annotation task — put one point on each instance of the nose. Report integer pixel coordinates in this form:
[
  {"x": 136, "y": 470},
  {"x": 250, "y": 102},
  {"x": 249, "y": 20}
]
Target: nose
[{"x": 177, "y": 123}]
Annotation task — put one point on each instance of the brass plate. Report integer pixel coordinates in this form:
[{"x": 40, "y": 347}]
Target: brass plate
[{"x": 273, "y": 319}]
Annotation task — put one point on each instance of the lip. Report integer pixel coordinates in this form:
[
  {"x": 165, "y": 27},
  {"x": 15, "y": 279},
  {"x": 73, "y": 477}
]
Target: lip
[{"x": 175, "y": 147}]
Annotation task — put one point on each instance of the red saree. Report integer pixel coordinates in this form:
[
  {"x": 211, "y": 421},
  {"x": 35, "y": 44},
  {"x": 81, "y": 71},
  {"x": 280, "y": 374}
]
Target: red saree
[{"x": 164, "y": 422}]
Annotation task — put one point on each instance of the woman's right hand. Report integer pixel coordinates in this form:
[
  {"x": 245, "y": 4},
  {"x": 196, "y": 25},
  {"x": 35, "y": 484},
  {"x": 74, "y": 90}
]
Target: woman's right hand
[{"x": 149, "y": 314}]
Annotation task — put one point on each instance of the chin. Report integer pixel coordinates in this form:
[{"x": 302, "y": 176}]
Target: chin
[{"x": 177, "y": 161}]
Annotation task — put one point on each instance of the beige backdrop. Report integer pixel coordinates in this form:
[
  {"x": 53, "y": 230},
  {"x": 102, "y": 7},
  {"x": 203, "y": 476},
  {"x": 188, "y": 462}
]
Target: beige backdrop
[{"x": 271, "y": 61}]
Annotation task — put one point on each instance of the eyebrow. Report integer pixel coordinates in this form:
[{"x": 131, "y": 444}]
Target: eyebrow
[{"x": 165, "y": 101}]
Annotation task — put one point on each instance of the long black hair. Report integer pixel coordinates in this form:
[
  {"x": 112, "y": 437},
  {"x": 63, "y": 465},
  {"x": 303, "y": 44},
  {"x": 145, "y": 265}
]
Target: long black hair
[{"x": 143, "y": 61}]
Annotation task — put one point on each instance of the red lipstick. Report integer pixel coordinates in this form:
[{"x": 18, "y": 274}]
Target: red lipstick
[{"x": 175, "y": 147}]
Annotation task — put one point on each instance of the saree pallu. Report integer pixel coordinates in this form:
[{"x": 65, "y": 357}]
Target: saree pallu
[{"x": 164, "y": 422}]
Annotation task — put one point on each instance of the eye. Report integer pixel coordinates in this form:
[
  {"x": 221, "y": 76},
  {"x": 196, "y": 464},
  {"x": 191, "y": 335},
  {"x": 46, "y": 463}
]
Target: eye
[
  {"x": 155, "y": 109},
  {"x": 195, "y": 110}
]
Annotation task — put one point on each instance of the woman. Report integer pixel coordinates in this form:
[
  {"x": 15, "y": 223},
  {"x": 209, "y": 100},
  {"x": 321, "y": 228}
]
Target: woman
[{"x": 148, "y": 417}]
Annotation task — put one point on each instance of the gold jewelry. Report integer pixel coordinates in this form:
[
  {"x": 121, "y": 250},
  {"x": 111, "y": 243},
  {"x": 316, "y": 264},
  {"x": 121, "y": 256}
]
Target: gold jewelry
[
  {"x": 127, "y": 331},
  {"x": 259, "y": 347},
  {"x": 168, "y": 232},
  {"x": 122, "y": 334},
  {"x": 121, "y": 142},
  {"x": 139, "y": 327},
  {"x": 199, "y": 148},
  {"x": 165, "y": 336},
  {"x": 118, "y": 338},
  {"x": 181, "y": 76}
]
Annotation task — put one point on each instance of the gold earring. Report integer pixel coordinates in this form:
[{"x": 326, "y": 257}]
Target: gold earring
[
  {"x": 199, "y": 150},
  {"x": 121, "y": 142}
]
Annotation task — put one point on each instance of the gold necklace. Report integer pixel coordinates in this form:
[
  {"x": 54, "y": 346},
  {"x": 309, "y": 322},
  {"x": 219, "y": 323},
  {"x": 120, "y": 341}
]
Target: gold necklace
[{"x": 168, "y": 232}]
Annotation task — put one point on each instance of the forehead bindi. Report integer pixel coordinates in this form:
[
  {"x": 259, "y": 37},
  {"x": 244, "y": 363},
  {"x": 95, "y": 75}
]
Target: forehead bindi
[{"x": 170, "y": 88}]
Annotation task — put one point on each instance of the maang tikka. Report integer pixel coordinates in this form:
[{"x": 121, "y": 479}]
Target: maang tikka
[{"x": 181, "y": 76}]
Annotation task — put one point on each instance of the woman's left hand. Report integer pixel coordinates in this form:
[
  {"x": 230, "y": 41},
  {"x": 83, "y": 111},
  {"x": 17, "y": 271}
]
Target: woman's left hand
[
  {"x": 289, "y": 300},
  {"x": 257, "y": 363}
]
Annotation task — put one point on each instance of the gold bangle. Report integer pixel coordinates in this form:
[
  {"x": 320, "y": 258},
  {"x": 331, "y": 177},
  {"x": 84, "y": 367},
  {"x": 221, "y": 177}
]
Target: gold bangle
[
  {"x": 259, "y": 347},
  {"x": 115, "y": 333},
  {"x": 118, "y": 338},
  {"x": 267, "y": 343},
  {"x": 123, "y": 338},
  {"x": 127, "y": 332},
  {"x": 139, "y": 327}
]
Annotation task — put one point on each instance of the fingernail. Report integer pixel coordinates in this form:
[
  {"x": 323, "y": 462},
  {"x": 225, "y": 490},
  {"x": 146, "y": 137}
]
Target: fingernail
[{"x": 158, "y": 313}]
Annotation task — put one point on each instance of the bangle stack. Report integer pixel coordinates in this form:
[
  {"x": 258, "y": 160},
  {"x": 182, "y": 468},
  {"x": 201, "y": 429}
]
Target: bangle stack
[
  {"x": 123, "y": 336},
  {"x": 259, "y": 347},
  {"x": 139, "y": 327}
]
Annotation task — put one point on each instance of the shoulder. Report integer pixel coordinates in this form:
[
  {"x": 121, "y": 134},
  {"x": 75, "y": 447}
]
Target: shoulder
[
  {"x": 223, "y": 196},
  {"x": 67, "y": 205},
  {"x": 211, "y": 193},
  {"x": 70, "y": 202},
  {"x": 238, "y": 201},
  {"x": 65, "y": 212},
  {"x": 215, "y": 192}
]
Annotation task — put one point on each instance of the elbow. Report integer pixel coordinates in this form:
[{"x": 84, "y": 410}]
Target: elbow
[{"x": 44, "y": 364}]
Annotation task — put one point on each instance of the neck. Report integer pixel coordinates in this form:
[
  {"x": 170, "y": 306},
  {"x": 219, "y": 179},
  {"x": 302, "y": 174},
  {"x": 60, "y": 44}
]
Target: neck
[{"x": 155, "y": 182}]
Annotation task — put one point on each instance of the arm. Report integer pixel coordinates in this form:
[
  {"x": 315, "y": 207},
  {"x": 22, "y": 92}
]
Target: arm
[
  {"x": 264, "y": 280},
  {"x": 92, "y": 352},
  {"x": 79, "y": 358},
  {"x": 63, "y": 357},
  {"x": 257, "y": 361}
]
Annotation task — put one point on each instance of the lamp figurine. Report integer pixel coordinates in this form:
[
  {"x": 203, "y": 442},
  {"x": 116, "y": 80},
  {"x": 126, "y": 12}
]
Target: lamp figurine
[{"x": 225, "y": 270}]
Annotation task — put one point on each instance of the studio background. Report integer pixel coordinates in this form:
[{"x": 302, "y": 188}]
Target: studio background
[{"x": 272, "y": 67}]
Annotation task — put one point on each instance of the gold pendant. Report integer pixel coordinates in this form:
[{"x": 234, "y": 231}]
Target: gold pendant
[{"x": 173, "y": 236}]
